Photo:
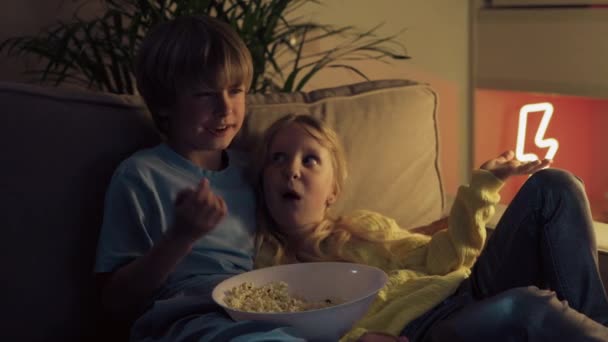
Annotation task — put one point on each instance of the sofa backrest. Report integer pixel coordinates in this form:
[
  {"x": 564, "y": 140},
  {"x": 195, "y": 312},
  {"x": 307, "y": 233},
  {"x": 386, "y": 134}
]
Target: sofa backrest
[
  {"x": 390, "y": 135},
  {"x": 59, "y": 148}
]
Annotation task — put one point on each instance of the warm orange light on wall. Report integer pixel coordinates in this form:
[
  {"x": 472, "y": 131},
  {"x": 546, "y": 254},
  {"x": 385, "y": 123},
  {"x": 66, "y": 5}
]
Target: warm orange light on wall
[{"x": 578, "y": 123}]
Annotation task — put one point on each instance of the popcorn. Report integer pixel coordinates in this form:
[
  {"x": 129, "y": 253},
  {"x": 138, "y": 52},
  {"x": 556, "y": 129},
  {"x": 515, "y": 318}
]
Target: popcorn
[{"x": 272, "y": 297}]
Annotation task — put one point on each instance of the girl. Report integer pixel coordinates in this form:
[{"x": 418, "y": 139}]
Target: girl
[{"x": 441, "y": 287}]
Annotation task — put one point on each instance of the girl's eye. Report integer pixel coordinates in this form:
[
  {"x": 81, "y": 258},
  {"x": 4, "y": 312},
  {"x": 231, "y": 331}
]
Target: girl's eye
[{"x": 311, "y": 160}]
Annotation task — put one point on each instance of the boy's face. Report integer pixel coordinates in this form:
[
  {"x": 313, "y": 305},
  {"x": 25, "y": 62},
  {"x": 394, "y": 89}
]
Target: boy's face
[{"x": 206, "y": 119}]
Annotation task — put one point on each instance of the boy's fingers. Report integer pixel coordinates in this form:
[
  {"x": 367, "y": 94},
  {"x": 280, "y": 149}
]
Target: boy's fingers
[
  {"x": 203, "y": 184},
  {"x": 216, "y": 213},
  {"x": 218, "y": 205},
  {"x": 223, "y": 206},
  {"x": 179, "y": 199},
  {"x": 182, "y": 196},
  {"x": 203, "y": 193}
]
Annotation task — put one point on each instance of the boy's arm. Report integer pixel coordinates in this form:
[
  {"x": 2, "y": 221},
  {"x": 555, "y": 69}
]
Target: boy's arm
[{"x": 125, "y": 291}]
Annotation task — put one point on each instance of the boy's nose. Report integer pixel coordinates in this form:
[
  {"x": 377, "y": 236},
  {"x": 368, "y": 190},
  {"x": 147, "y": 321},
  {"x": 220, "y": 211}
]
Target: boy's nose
[{"x": 223, "y": 106}]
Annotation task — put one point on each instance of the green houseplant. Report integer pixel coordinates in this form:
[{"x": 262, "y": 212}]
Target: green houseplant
[{"x": 99, "y": 52}]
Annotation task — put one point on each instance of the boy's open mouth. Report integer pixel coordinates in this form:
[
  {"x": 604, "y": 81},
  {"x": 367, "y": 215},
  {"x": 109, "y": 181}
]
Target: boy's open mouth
[{"x": 218, "y": 130}]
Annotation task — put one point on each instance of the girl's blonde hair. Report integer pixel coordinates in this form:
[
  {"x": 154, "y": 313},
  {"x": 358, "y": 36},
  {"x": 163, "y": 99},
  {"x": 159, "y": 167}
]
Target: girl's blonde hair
[
  {"x": 335, "y": 231},
  {"x": 185, "y": 53}
]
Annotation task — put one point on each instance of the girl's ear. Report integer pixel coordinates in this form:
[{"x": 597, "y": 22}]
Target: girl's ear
[{"x": 331, "y": 199}]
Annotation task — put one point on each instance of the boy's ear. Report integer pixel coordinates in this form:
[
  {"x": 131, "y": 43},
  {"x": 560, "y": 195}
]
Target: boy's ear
[{"x": 164, "y": 113}]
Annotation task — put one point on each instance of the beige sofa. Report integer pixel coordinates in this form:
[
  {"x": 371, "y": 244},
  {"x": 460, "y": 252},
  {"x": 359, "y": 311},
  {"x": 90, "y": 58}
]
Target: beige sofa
[{"x": 59, "y": 148}]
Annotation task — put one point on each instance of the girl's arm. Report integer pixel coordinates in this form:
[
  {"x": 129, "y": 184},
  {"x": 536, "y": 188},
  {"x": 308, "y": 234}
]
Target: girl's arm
[
  {"x": 461, "y": 243},
  {"x": 432, "y": 228}
]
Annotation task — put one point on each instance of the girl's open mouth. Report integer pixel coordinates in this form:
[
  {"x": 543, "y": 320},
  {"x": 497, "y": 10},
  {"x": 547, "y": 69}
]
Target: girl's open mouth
[{"x": 291, "y": 196}]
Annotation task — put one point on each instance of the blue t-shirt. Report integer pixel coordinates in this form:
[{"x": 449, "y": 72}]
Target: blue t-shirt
[{"x": 139, "y": 209}]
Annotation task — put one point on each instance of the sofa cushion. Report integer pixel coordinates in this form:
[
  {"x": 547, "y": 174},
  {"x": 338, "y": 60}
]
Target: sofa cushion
[
  {"x": 59, "y": 148},
  {"x": 389, "y": 131}
]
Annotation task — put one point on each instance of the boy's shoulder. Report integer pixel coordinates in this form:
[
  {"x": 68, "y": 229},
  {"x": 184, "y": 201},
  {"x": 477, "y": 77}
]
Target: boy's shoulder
[
  {"x": 161, "y": 159},
  {"x": 141, "y": 160}
]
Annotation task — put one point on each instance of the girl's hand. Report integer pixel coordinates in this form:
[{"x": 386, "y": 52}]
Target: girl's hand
[
  {"x": 381, "y": 337},
  {"x": 506, "y": 165},
  {"x": 197, "y": 212}
]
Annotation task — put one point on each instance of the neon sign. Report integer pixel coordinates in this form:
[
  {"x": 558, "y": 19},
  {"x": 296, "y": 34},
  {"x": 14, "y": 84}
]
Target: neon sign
[{"x": 539, "y": 139}]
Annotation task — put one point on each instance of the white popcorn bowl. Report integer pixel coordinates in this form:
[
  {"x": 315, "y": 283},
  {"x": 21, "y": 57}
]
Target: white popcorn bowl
[{"x": 357, "y": 285}]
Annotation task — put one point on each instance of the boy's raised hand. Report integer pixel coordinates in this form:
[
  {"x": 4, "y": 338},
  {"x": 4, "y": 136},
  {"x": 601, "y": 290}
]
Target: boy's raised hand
[
  {"x": 197, "y": 211},
  {"x": 505, "y": 165}
]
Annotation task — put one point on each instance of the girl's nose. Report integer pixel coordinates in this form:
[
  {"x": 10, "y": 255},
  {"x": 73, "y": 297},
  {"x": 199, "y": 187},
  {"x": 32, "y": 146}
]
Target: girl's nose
[{"x": 291, "y": 171}]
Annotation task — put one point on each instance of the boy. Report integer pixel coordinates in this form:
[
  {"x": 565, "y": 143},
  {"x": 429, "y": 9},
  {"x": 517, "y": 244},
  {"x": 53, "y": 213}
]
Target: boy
[{"x": 179, "y": 217}]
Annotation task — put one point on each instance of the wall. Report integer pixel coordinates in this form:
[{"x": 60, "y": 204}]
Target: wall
[
  {"x": 550, "y": 54},
  {"x": 544, "y": 50},
  {"x": 437, "y": 36},
  {"x": 27, "y": 17},
  {"x": 578, "y": 124}
]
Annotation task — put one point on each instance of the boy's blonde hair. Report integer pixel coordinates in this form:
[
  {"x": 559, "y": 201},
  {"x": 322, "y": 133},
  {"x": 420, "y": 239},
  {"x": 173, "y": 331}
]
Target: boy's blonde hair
[
  {"x": 185, "y": 53},
  {"x": 268, "y": 232}
]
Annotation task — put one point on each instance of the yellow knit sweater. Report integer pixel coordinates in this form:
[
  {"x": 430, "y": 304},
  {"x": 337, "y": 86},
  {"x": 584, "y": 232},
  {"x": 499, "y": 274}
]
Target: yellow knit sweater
[{"x": 422, "y": 270}]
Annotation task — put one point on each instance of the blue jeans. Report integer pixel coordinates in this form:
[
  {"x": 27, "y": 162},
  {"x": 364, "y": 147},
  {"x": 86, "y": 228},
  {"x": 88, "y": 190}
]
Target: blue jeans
[{"x": 544, "y": 241}]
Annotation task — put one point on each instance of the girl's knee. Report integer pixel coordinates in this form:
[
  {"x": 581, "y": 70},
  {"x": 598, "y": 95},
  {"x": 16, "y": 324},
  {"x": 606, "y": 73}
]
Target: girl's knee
[
  {"x": 558, "y": 181},
  {"x": 528, "y": 294},
  {"x": 556, "y": 178},
  {"x": 507, "y": 314},
  {"x": 514, "y": 307},
  {"x": 527, "y": 302},
  {"x": 514, "y": 315}
]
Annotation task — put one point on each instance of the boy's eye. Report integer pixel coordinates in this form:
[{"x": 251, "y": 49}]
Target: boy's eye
[
  {"x": 236, "y": 90},
  {"x": 277, "y": 157}
]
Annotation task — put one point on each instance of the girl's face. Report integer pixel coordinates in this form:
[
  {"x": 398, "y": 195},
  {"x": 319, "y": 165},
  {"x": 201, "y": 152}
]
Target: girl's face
[
  {"x": 298, "y": 179},
  {"x": 205, "y": 119}
]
